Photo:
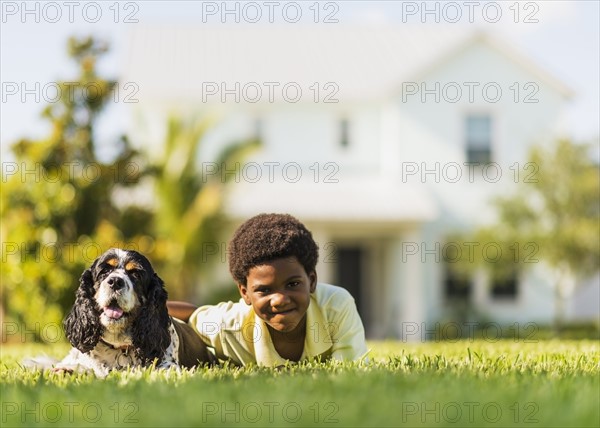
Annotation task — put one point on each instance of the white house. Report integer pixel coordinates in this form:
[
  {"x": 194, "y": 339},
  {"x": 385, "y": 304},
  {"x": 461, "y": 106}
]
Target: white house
[{"x": 370, "y": 137}]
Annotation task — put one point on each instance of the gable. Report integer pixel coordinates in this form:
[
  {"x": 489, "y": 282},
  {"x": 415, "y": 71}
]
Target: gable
[
  {"x": 482, "y": 59},
  {"x": 359, "y": 62}
]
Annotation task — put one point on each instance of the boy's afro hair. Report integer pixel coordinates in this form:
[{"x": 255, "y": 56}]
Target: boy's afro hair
[{"x": 267, "y": 237}]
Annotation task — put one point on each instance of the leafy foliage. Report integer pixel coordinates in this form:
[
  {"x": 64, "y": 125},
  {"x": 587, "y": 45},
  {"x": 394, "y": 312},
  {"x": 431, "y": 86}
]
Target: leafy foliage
[
  {"x": 57, "y": 208},
  {"x": 62, "y": 206},
  {"x": 554, "y": 218},
  {"x": 188, "y": 201},
  {"x": 560, "y": 210}
]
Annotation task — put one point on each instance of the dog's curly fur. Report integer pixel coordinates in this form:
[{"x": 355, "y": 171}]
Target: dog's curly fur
[{"x": 120, "y": 319}]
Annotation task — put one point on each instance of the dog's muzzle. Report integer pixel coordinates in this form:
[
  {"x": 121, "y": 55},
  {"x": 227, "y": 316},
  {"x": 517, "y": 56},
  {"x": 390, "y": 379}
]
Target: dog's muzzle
[{"x": 116, "y": 296}]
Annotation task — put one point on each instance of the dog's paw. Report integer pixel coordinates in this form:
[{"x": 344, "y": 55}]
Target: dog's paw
[
  {"x": 41, "y": 362},
  {"x": 62, "y": 370},
  {"x": 169, "y": 366}
]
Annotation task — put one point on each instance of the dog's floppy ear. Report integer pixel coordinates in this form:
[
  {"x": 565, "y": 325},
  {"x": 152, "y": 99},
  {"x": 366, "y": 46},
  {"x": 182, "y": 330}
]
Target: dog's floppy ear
[
  {"x": 82, "y": 324},
  {"x": 150, "y": 330}
]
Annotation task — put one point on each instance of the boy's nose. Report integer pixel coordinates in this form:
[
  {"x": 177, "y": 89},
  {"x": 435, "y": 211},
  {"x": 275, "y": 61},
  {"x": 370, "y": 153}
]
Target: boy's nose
[{"x": 279, "y": 299}]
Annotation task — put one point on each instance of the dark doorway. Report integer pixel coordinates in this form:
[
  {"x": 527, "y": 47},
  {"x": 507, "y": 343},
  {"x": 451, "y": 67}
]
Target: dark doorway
[{"x": 350, "y": 274}]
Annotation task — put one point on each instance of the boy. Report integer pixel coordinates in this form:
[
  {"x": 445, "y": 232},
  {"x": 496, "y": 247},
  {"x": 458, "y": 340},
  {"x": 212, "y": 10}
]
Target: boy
[{"x": 283, "y": 314}]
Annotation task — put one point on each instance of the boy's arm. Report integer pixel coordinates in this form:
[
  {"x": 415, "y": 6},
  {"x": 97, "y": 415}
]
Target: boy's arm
[
  {"x": 219, "y": 327},
  {"x": 180, "y": 310},
  {"x": 349, "y": 334}
]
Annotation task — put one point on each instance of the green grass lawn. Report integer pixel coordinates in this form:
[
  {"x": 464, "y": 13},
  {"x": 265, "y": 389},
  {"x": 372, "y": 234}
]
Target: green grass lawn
[{"x": 470, "y": 383}]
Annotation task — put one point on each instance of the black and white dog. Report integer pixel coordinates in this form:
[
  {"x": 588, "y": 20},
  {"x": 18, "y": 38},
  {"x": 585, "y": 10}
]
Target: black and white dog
[{"x": 120, "y": 320}]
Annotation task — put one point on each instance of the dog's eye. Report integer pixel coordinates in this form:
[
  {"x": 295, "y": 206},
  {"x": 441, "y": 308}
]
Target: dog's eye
[
  {"x": 105, "y": 268},
  {"x": 137, "y": 274}
]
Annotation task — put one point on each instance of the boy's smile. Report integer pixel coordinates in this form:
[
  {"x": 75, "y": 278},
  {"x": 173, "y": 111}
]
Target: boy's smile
[{"x": 279, "y": 292}]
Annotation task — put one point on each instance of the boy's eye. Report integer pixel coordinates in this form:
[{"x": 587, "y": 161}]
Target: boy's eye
[
  {"x": 293, "y": 284},
  {"x": 263, "y": 290}
]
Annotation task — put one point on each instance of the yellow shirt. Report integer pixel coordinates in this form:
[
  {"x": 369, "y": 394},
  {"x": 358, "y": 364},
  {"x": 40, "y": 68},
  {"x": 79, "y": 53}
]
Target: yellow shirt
[{"x": 236, "y": 333}]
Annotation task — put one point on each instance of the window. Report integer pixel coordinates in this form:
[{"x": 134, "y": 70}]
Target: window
[
  {"x": 344, "y": 134},
  {"x": 456, "y": 286},
  {"x": 258, "y": 129},
  {"x": 479, "y": 139},
  {"x": 505, "y": 288}
]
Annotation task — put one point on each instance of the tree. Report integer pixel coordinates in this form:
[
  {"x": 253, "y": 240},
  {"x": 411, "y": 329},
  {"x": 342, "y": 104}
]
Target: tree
[
  {"x": 188, "y": 202},
  {"x": 556, "y": 214},
  {"x": 56, "y": 202},
  {"x": 60, "y": 207}
]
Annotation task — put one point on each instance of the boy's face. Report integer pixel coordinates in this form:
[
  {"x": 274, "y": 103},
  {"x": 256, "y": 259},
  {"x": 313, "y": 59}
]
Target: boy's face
[{"x": 279, "y": 292}]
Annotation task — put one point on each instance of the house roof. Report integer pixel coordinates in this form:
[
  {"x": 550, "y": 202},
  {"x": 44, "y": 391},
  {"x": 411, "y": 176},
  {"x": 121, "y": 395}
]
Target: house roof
[
  {"x": 365, "y": 62},
  {"x": 351, "y": 200},
  {"x": 509, "y": 52}
]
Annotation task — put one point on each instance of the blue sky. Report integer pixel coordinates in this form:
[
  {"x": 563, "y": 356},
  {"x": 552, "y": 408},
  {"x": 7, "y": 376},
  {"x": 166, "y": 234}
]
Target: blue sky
[{"x": 565, "y": 41}]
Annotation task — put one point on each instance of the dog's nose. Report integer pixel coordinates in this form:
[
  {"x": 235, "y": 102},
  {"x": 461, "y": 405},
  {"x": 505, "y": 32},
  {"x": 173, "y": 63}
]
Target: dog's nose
[{"x": 116, "y": 283}]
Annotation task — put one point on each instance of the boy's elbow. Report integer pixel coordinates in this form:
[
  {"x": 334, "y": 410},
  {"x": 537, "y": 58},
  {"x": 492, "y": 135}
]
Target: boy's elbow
[{"x": 180, "y": 310}]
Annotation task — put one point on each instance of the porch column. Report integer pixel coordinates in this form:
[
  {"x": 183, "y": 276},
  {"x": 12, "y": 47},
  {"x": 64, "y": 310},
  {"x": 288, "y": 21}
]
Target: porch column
[
  {"x": 327, "y": 254},
  {"x": 405, "y": 281}
]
